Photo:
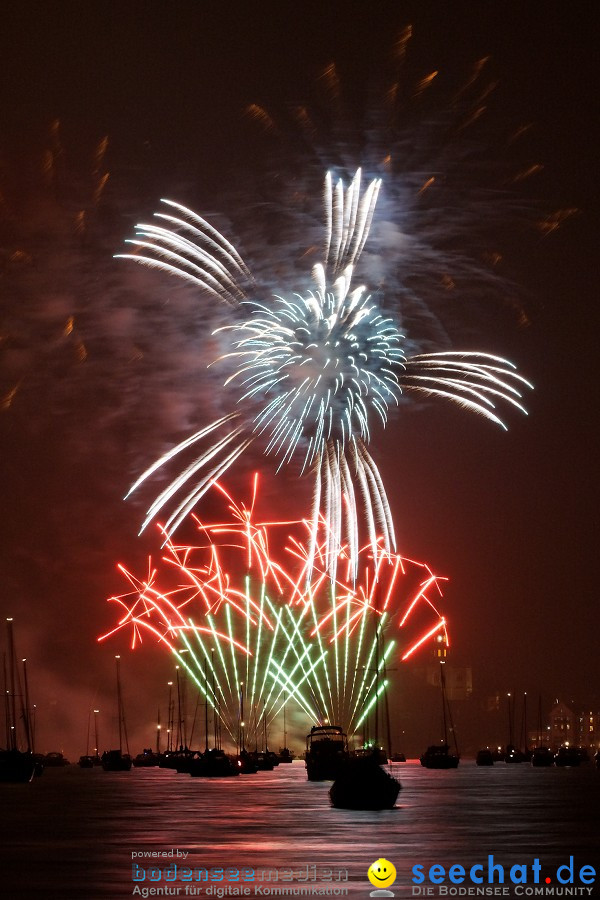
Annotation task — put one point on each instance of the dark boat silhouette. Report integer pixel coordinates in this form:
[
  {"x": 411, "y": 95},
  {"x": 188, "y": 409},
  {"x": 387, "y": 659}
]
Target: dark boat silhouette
[
  {"x": 398, "y": 757},
  {"x": 116, "y": 760},
  {"x": 262, "y": 760},
  {"x": 364, "y": 784},
  {"x": 484, "y": 758},
  {"x": 246, "y": 763},
  {"x": 55, "y": 760},
  {"x": 146, "y": 759},
  {"x": 214, "y": 763},
  {"x": 286, "y": 755},
  {"x": 568, "y": 756},
  {"x": 17, "y": 766},
  {"x": 326, "y": 752},
  {"x": 542, "y": 757},
  {"x": 438, "y": 756}
]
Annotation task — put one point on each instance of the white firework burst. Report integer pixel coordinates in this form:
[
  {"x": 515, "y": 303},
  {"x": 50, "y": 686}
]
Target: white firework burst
[{"x": 311, "y": 370}]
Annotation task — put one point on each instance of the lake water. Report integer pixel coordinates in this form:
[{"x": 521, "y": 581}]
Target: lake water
[{"x": 71, "y": 833}]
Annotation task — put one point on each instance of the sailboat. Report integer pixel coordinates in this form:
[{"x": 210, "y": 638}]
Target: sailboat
[
  {"x": 285, "y": 754},
  {"x": 438, "y": 756},
  {"x": 542, "y": 755},
  {"x": 116, "y": 760},
  {"x": 16, "y": 765},
  {"x": 362, "y": 782}
]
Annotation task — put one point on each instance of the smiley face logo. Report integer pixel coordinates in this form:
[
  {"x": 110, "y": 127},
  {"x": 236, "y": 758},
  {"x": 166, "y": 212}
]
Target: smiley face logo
[{"x": 381, "y": 873}]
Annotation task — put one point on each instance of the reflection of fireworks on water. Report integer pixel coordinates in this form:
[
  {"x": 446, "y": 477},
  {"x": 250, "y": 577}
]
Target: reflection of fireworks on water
[
  {"x": 311, "y": 371},
  {"x": 253, "y": 635}
]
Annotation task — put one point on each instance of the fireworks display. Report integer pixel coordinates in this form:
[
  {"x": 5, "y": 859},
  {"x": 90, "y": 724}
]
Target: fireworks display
[
  {"x": 311, "y": 372},
  {"x": 238, "y": 614}
]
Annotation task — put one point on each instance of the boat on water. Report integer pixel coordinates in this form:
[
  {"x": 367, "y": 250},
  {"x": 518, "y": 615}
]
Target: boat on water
[
  {"x": 116, "y": 760},
  {"x": 438, "y": 756},
  {"x": 326, "y": 752},
  {"x": 214, "y": 763},
  {"x": 146, "y": 759},
  {"x": 246, "y": 763},
  {"x": 18, "y": 763},
  {"x": 363, "y": 783},
  {"x": 285, "y": 755},
  {"x": 55, "y": 760},
  {"x": 16, "y": 766},
  {"x": 541, "y": 757},
  {"x": 262, "y": 761},
  {"x": 569, "y": 756},
  {"x": 484, "y": 758}
]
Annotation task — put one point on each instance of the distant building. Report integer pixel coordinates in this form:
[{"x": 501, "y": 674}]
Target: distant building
[
  {"x": 563, "y": 728},
  {"x": 588, "y": 729}
]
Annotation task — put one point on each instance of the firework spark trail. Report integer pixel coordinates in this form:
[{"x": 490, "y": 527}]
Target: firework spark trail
[
  {"x": 311, "y": 372},
  {"x": 238, "y": 619}
]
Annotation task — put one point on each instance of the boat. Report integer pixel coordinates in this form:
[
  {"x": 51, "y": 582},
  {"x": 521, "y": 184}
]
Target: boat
[
  {"x": 438, "y": 756},
  {"x": 272, "y": 757},
  {"x": 55, "y": 760},
  {"x": 262, "y": 761},
  {"x": 246, "y": 763},
  {"x": 363, "y": 783},
  {"x": 116, "y": 760},
  {"x": 513, "y": 755},
  {"x": 214, "y": 763},
  {"x": 286, "y": 755},
  {"x": 17, "y": 766},
  {"x": 90, "y": 760},
  {"x": 484, "y": 758},
  {"x": 567, "y": 756},
  {"x": 146, "y": 759},
  {"x": 326, "y": 752},
  {"x": 542, "y": 756}
]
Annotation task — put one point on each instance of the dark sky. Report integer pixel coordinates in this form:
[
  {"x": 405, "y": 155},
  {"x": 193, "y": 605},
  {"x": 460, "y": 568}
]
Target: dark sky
[{"x": 509, "y": 517}]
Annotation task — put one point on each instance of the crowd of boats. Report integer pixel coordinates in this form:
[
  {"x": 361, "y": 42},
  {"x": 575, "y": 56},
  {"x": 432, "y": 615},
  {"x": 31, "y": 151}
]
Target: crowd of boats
[{"x": 361, "y": 778}]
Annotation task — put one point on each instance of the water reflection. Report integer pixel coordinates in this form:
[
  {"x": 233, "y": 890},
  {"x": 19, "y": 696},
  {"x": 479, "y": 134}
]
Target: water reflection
[{"x": 71, "y": 833}]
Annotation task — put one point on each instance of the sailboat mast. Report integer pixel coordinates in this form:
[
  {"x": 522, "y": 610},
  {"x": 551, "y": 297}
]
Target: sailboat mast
[
  {"x": 96, "y": 749},
  {"x": 12, "y": 699},
  {"x": 25, "y": 710},
  {"x": 119, "y": 704},
  {"x": 6, "y": 702},
  {"x": 376, "y": 740},
  {"x": 206, "y": 707},
  {"x": 443, "y": 684}
]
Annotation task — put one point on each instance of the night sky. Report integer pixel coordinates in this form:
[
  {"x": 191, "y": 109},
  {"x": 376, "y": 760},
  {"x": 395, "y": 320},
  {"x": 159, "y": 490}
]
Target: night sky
[{"x": 102, "y": 364}]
